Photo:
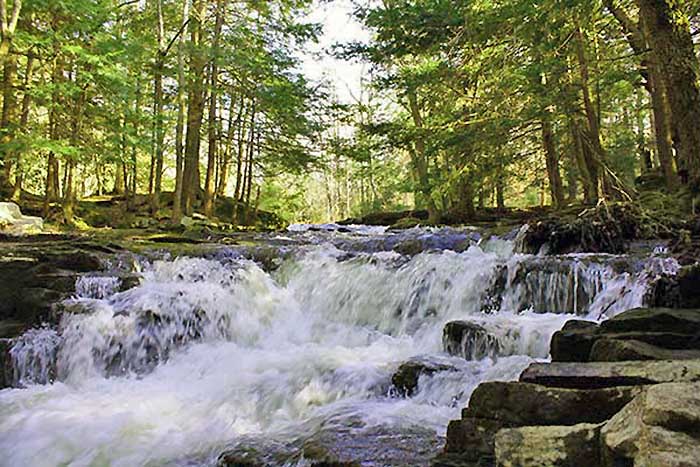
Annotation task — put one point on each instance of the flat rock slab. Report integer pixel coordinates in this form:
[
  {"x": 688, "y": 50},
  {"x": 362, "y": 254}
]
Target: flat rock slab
[
  {"x": 522, "y": 404},
  {"x": 553, "y": 446},
  {"x": 618, "y": 350},
  {"x": 680, "y": 321},
  {"x": 594, "y": 375}
]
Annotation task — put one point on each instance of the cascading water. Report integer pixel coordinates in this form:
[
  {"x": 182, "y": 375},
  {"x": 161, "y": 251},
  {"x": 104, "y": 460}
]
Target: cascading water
[{"x": 210, "y": 353}]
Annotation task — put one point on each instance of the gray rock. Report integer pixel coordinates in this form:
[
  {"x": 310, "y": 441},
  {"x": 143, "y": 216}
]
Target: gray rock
[
  {"x": 660, "y": 427},
  {"x": 522, "y": 404},
  {"x": 13, "y": 222},
  {"x": 617, "y": 350},
  {"x": 552, "y": 446},
  {"x": 676, "y": 321},
  {"x": 594, "y": 375},
  {"x": 574, "y": 342}
]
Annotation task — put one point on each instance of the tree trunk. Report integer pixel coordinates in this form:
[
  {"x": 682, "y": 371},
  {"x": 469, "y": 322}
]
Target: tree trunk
[
  {"x": 23, "y": 121},
  {"x": 673, "y": 50},
  {"x": 8, "y": 120},
  {"x": 180, "y": 125},
  {"x": 209, "y": 185},
  {"x": 420, "y": 163},
  {"x": 195, "y": 108},
  {"x": 556, "y": 187},
  {"x": 592, "y": 147}
]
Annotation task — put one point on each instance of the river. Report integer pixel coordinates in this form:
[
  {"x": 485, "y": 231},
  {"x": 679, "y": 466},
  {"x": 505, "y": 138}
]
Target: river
[{"x": 220, "y": 352}]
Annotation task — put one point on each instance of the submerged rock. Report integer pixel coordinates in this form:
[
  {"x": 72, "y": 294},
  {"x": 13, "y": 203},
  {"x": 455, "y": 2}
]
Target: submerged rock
[
  {"x": 553, "y": 446},
  {"x": 405, "y": 379},
  {"x": 469, "y": 340}
]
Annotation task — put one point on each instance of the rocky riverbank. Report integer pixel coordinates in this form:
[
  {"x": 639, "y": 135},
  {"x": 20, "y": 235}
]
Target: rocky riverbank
[{"x": 624, "y": 392}]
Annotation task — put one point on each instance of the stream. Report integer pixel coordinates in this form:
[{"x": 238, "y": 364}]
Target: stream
[{"x": 285, "y": 358}]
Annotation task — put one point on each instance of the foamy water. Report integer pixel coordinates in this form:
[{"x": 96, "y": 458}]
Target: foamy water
[{"x": 206, "y": 352}]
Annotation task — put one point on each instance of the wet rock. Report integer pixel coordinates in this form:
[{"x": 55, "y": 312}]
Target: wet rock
[
  {"x": 11, "y": 328},
  {"x": 660, "y": 427},
  {"x": 679, "y": 291},
  {"x": 410, "y": 247},
  {"x": 469, "y": 340},
  {"x": 341, "y": 446},
  {"x": 470, "y": 441},
  {"x": 5, "y": 363},
  {"x": 521, "y": 404},
  {"x": 595, "y": 375},
  {"x": 574, "y": 342},
  {"x": 689, "y": 287},
  {"x": 406, "y": 223},
  {"x": 37, "y": 273},
  {"x": 405, "y": 380},
  {"x": 616, "y": 350},
  {"x": 554, "y": 446}
]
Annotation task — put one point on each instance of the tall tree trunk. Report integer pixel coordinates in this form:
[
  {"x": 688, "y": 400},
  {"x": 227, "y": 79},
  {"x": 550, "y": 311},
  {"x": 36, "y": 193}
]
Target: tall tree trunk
[
  {"x": 195, "y": 107},
  {"x": 158, "y": 134},
  {"x": 51, "y": 192},
  {"x": 8, "y": 121},
  {"x": 556, "y": 187},
  {"x": 8, "y": 25},
  {"x": 180, "y": 125},
  {"x": 23, "y": 121},
  {"x": 592, "y": 147},
  {"x": 420, "y": 163},
  {"x": 228, "y": 154},
  {"x": 212, "y": 154},
  {"x": 673, "y": 50}
]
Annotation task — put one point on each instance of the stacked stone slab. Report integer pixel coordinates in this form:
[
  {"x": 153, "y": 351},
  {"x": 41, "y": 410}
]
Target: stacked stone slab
[{"x": 635, "y": 407}]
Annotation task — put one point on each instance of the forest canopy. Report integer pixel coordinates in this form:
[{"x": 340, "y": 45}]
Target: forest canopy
[{"x": 184, "y": 106}]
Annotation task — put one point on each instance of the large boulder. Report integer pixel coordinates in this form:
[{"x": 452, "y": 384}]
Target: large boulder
[
  {"x": 495, "y": 406},
  {"x": 521, "y": 404},
  {"x": 574, "y": 341},
  {"x": 659, "y": 428},
  {"x": 553, "y": 446},
  {"x": 594, "y": 375},
  {"x": 469, "y": 340},
  {"x": 654, "y": 331},
  {"x": 13, "y": 222}
]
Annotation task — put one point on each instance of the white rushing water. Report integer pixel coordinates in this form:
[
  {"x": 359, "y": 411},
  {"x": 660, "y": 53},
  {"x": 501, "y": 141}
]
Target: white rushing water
[{"x": 206, "y": 352}]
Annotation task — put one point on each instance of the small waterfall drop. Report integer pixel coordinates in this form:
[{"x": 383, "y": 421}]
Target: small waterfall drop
[{"x": 207, "y": 352}]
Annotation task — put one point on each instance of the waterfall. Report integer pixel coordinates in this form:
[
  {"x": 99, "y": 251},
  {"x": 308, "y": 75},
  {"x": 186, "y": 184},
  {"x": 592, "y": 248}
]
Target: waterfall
[{"x": 204, "y": 352}]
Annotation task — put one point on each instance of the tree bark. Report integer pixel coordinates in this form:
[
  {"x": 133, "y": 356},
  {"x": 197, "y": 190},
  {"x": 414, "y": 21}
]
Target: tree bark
[
  {"x": 673, "y": 50},
  {"x": 195, "y": 107},
  {"x": 180, "y": 125},
  {"x": 556, "y": 187},
  {"x": 420, "y": 163},
  {"x": 209, "y": 185}
]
